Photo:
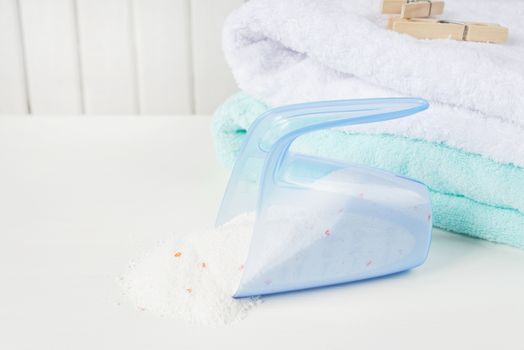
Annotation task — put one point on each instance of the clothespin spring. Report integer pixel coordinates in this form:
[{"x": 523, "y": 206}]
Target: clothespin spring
[
  {"x": 428, "y": 1},
  {"x": 466, "y": 27}
]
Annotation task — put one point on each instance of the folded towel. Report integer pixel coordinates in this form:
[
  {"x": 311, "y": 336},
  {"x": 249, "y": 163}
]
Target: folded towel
[
  {"x": 488, "y": 205},
  {"x": 305, "y": 50}
]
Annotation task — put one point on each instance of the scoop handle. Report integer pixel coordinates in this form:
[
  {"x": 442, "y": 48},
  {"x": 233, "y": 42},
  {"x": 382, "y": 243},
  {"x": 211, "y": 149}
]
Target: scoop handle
[{"x": 272, "y": 133}]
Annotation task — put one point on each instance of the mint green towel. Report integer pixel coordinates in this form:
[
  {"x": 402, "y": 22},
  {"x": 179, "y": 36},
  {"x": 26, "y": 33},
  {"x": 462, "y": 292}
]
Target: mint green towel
[{"x": 470, "y": 194}]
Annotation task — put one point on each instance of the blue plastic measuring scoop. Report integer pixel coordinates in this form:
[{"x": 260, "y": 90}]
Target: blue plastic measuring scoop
[{"x": 320, "y": 221}]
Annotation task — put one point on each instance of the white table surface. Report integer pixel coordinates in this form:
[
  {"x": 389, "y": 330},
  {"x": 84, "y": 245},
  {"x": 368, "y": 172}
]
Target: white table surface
[{"x": 81, "y": 196}]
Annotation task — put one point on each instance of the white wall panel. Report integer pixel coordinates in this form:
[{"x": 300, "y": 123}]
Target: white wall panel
[
  {"x": 51, "y": 56},
  {"x": 163, "y": 56},
  {"x": 13, "y": 97},
  {"x": 113, "y": 56},
  {"x": 107, "y": 56},
  {"x": 213, "y": 81}
]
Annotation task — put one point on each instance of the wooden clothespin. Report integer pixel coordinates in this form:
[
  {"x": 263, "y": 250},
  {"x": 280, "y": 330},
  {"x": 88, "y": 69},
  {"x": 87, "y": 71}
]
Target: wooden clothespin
[
  {"x": 427, "y": 28},
  {"x": 413, "y": 8}
]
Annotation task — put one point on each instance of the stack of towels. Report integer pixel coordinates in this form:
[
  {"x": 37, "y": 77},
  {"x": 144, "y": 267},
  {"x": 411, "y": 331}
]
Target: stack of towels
[{"x": 468, "y": 148}]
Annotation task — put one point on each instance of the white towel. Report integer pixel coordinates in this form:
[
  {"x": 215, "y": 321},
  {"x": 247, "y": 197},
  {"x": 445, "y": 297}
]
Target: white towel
[{"x": 304, "y": 50}]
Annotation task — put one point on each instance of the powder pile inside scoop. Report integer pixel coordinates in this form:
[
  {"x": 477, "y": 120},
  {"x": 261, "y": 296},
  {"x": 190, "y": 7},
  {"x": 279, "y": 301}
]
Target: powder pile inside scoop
[{"x": 193, "y": 279}]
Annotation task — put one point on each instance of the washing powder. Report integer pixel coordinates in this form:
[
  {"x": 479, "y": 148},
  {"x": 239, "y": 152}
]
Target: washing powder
[{"x": 193, "y": 279}]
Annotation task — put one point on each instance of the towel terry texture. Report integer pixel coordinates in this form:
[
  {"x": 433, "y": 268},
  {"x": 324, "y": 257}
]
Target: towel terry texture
[
  {"x": 469, "y": 193},
  {"x": 307, "y": 50},
  {"x": 467, "y": 147}
]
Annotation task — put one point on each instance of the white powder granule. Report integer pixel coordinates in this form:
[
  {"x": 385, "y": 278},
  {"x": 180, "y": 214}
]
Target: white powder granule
[{"x": 193, "y": 279}]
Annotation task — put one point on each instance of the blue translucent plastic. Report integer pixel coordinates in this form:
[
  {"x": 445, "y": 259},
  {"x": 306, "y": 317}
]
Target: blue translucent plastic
[{"x": 319, "y": 221}]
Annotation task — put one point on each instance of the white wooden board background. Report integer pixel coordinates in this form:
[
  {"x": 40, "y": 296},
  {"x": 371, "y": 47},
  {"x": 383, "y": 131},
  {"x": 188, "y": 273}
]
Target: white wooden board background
[{"x": 113, "y": 56}]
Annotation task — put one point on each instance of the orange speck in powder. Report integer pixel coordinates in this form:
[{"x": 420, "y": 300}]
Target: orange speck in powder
[
  {"x": 189, "y": 290},
  {"x": 178, "y": 254}
]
